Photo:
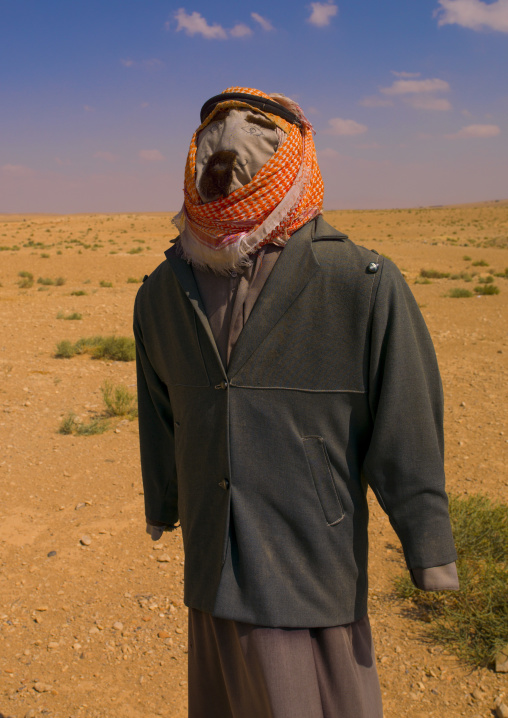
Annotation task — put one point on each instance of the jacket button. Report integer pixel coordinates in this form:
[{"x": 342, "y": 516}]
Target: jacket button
[
  {"x": 222, "y": 385},
  {"x": 224, "y": 484},
  {"x": 372, "y": 267}
]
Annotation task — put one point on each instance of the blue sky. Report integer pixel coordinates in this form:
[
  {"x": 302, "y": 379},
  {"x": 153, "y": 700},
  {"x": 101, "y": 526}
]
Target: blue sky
[{"x": 98, "y": 100}]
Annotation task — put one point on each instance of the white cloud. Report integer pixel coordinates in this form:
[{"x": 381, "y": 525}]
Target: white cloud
[
  {"x": 240, "y": 30},
  {"x": 108, "y": 156},
  {"x": 474, "y": 14},
  {"x": 153, "y": 62},
  {"x": 195, "y": 24},
  {"x": 406, "y": 74},
  {"x": 265, "y": 24},
  {"x": 338, "y": 126},
  {"x": 327, "y": 153},
  {"x": 322, "y": 13},
  {"x": 17, "y": 170},
  {"x": 476, "y": 131},
  {"x": 424, "y": 102},
  {"x": 375, "y": 102},
  {"x": 150, "y": 156},
  {"x": 402, "y": 87}
]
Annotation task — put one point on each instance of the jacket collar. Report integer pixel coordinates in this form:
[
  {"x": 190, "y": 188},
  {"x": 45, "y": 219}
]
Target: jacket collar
[{"x": 293, "y": 270}]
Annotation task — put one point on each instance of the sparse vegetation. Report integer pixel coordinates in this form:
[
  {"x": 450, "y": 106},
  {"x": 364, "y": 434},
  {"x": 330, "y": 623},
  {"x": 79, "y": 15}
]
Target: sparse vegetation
[
  {"x": 70, "y": 317},
  {"x": 459, "y": 293},
  {"x": 473, "y": 621},
  {"x": 71, "y": 424},
  {"x": 133, "y": 280},
  {"x": 26, "y": 280},
  {"x": 480, "y": 263},
  {"x": 486, "y": 289},
  {"x": 112, "y": 347},
  {"x": 119, "y": 400},
  {"x": 79, "y": 293},
  {"x": 104, "y": 283},
  {"x": 433, "y": 274}
]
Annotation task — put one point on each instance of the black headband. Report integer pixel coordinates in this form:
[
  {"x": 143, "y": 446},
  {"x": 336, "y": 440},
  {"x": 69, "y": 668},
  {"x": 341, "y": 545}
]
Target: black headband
[{"x": 259, "y": 103}]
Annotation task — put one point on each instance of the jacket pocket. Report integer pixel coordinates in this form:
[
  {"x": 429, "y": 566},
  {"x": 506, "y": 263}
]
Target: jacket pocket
[{"x": 321, "y": 470}]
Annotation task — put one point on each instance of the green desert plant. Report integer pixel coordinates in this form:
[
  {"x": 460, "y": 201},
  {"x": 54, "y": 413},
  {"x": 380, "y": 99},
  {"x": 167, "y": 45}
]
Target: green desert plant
[
  {"x": 70, "y": 424},
  {"x": 26, "y": 280},
  {"x": 104, "y": 283},
  {"x": 480, "y": 263},
  {"x": 71, "y": 317},
  {"x": 115, "y": 348},
  {"x": 133, "y": 280},
  {"x": 433, "y": 274},
  {"x": 46, "y": 281},
  {"x": 119, "y": 400},
  {"x": 65, "y": 349},
  {"x": 112, "y": 347},
  {"x": 78, "y": 293},
  {"x": 486, "y": 289},
  {"x": 473, "y": 621},
  {"x": 459, "y": 293}
]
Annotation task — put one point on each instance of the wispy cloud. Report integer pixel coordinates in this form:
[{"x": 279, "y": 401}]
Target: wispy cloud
[
  {"x": 150, "y": 156},
  {"x": 476, "y": 131},
  {"x": 322, "y": 13},
  {"x": 425, "y": 102},
  {"x": 195, "y": 24},
  {"x": 17, "y": 170},
  {"x": 406, "y": 74},
  {"x": 240, "y": 30},
  {"x": 402, "y": 87},
  {"x": 87, "y": 108},
  {"x": 151, "y": 63},
  {"x": 374, "y": 101},
  {"x": 107, "y": 156},
  {"x": 327, "y": 153},
  {"x": 265, "y": 24},
  {"x": 339, "y": 126},
  {"x": 474, "y": 14}
]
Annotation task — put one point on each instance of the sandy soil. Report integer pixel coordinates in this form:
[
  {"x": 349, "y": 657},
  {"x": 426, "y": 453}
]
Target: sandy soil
[{"x": 99, "y": 630}]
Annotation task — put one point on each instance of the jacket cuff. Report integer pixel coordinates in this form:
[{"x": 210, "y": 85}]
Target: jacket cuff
[{"x": 437, "y": 578}]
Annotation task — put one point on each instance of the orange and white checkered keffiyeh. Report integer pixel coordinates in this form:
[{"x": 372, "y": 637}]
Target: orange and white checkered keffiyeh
[{"x": 285, "y": 194}]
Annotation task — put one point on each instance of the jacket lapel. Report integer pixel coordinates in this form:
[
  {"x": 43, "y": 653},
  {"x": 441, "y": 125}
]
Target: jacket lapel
[
  {"x": 291, "y": 273},
  {"x": 185, "y": 276}
]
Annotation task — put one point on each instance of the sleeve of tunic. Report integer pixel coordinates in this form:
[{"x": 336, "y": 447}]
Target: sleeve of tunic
[
  {"x": 404, "y": 463},
  {"x": 156, "y": 437}
]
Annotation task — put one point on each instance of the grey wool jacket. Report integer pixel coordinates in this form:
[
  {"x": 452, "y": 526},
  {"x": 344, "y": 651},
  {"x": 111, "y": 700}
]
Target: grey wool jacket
[{"x": 333, "y": 385}]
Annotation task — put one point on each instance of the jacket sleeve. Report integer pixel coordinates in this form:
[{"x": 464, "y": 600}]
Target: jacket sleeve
[
  {"x": 156, "y": 438},
  {"x": 404, "y": 463}
]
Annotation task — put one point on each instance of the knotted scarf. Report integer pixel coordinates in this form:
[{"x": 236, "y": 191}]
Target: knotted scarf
[{"x": 281, "y": 197}]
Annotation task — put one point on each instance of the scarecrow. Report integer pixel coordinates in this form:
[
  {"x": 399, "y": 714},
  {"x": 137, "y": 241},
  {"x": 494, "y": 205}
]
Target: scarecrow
[{"x": 281, "y": 370}]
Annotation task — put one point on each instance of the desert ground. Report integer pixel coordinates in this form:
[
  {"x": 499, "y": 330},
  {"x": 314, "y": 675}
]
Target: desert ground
[{"x": 92, "y": 622}]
